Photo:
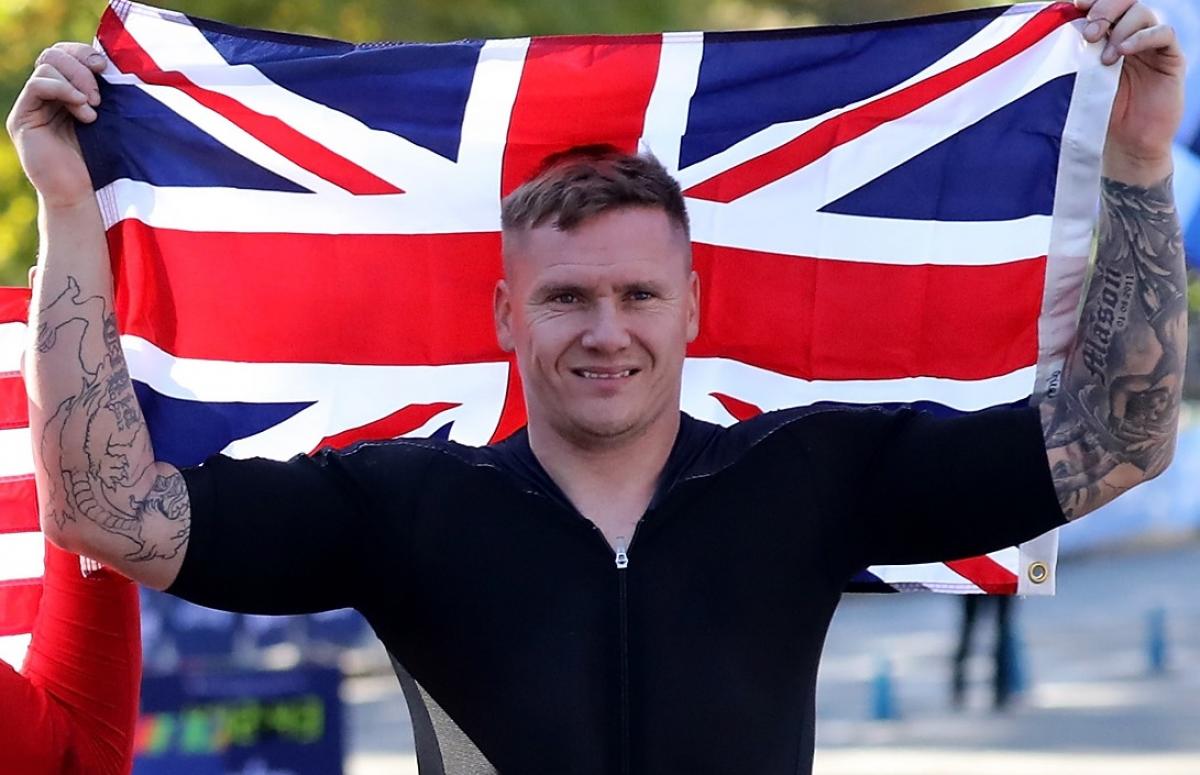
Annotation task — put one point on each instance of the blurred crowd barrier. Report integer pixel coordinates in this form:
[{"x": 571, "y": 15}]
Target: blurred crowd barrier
[{"x": 181, "y": 636}]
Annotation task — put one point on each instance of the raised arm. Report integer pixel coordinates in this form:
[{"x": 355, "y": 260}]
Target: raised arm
[
  {"x": 1113, "y": 422},
  {"x": 100, "y": 489}
]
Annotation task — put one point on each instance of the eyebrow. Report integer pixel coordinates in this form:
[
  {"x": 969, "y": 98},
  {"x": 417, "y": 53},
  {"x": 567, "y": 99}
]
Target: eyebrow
[{"x": 554, "y": 289}]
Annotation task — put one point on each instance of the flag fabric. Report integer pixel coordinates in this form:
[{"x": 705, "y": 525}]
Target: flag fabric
[
  {"x": 21, "y": 545},
  {"x": 305, "y": 232}
]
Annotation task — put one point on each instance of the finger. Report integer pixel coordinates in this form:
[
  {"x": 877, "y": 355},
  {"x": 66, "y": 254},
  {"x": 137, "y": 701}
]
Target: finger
[
  {"x": 1103, "y": 15},
  {"x": 1139, "y": 17},
  {"x": 51, "y": 89},
  {"x": 48, "y": 85},
  {"x": 75, "y": 71},
  {"x": 32, "y": 275},
  {"x": 89, "y": 56},
  {"x": 1160, "y": 37}
]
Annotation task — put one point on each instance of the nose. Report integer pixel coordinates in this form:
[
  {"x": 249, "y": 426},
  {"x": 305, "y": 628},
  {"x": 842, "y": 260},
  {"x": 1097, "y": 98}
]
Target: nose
[{"x": 606, "y": 331}]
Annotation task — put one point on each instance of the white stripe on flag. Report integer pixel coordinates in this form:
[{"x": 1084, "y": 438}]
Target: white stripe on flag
[
  {"x": 769, "y": 390},
  {"x": 22, "y": 556},
  {"x": 13, "y": 648},
  {"x": 852, "y": 165},
  {"x": 216, "y": 209},
  {"x": 229, "y": 134},
  {"x": 768, "y": 139},
  {"x": 485, "y": 126},
  {"x": 939, "y": 576},
  {"x": 1075, "y": 204},
  {"x": 667, "y": 112},
  {"x": 886, "y": 241},
  {"x": 176, "y": 44},
  {"x": 343, "y": 396},
  {"x": 934, "y": 575},
  {"x": 1009, "y": 558},
  {"x": 12, "y": 346},
  {"x": 16, "y": 453}
]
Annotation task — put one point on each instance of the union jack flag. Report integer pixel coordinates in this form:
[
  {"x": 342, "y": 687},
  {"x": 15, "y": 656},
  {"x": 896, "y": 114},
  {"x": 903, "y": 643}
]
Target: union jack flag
[{"x": 305, "y": 232}]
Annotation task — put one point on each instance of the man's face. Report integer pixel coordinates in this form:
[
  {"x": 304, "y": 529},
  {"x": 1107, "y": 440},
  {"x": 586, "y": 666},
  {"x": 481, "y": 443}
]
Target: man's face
[{"x": 599, "y": 318}]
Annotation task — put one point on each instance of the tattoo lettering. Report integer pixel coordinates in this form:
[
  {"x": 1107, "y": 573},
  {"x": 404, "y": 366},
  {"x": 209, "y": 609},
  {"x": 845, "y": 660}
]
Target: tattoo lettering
[
  {"x": 1110, "y": 316},
  {"x": 1114, "y": 420},
  {"x": 103, "y": 421}
]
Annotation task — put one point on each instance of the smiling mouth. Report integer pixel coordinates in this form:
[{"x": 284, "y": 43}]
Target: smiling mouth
[{"x": 590, "y": 374}]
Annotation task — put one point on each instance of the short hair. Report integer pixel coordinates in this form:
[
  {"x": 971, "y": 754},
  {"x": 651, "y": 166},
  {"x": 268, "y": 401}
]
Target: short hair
[{"x": 578, "y": 184}]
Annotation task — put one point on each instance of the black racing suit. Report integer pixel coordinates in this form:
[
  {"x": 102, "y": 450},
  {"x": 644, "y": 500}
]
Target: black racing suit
[{"x": 537, "y": 649}]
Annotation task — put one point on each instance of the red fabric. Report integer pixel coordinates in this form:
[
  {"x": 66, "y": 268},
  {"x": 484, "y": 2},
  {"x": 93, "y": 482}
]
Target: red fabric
[{"x": 72, "y": 709}]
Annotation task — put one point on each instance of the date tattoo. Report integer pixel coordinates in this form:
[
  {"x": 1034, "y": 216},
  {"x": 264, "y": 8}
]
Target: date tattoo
[
  {"x": 1113, "y": 421},
  {"x": 91, "y": 443}
]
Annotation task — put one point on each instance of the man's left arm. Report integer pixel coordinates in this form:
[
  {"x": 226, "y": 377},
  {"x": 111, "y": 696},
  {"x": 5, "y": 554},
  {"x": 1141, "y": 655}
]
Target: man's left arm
[{"x": 1113, "y": 422}]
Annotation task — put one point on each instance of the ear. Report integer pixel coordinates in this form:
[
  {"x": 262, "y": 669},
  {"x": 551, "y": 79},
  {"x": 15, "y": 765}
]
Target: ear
[
  {"x": 693, "y": 327},
  {"x": 502, "y": 310}
]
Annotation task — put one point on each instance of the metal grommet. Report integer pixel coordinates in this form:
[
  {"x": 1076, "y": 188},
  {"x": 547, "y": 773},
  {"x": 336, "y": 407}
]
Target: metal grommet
[{"x": 1038, "y": 572}]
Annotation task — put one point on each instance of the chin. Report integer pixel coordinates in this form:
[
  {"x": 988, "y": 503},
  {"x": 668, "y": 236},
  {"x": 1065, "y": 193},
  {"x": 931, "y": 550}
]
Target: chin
[{"x": 606, "y": 428}]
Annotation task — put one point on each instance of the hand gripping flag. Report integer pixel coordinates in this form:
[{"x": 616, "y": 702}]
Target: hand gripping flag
[{"x": 305, "y": 236}]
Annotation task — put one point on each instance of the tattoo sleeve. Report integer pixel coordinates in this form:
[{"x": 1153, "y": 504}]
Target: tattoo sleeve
[
  {"x": 95, "y": 449},
  {"x": 1113, "y": 422}
]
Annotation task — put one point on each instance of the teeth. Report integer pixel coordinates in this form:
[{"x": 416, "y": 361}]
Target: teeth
[{"x": 611, "y": 375}]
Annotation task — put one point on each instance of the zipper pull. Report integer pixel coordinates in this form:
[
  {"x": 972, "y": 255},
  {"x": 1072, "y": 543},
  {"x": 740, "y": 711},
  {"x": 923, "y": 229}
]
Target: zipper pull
[{"x": 622, "y": 558}]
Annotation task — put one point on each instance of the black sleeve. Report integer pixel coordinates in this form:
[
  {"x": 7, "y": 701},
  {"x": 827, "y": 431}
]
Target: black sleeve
[
  {"x": 271, "y": 537},
  {"x": 910, "y": 487}
]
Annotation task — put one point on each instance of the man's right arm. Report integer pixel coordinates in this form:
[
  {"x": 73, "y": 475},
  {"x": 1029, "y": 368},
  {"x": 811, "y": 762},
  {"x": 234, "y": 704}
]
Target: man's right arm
[{"x": 101, "y": 492}]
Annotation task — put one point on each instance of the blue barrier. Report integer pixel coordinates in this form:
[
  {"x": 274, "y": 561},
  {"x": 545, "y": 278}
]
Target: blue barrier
[
  {"x": 1156, "y": 640},
  {"x": 883, "y": 699},
  {"x": 176, "y": 632}
]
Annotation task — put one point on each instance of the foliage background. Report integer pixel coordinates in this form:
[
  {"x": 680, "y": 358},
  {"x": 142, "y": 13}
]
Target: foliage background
[{"x": 27, "y": 26}]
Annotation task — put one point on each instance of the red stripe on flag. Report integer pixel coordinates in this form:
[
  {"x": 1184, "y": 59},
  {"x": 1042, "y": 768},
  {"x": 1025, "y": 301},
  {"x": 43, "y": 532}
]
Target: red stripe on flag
[
  {"x": 129, "y": 57},
  {"x": 845, "y": 127},
  {"x": 737, "y": 408},
  {"x": 14, "y": 405},
  {"x": 396, "y": 299},
  {"x": 427, "y": 299},
  {"x": 396, "y": 424},
  {"x": 836, "y": 320},
  {"x": 18, "y": 505},
  {"x": 14, "y": 305},
  {"x": 18, "y": 605},
  {"x": 987, "y": 574},
  {"x": 574, "y": 90},
  {"x": 578, "y": 90},
  {"x": 512, "y": 414}
]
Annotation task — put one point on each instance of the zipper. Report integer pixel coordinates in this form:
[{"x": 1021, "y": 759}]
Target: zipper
[
  {"x": 622, "y": 562},
  {"x": 622, "y": 558}
]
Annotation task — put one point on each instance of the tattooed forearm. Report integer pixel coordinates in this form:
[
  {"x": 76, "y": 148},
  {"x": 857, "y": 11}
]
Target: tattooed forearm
[
  {"x": 1113, "y": 422},
  {"x": 95, "y": 447}
]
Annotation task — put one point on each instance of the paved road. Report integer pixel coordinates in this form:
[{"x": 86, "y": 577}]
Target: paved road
[{"x": 1092, "y": 707}]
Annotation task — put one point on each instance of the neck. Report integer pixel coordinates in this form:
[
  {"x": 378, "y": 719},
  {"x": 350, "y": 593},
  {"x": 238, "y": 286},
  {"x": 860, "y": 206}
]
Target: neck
[{"x": 610, "y": 481}]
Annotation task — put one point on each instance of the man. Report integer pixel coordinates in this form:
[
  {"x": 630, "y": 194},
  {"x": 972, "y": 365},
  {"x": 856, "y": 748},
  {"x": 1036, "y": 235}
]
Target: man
[{"x": 617, "y": 588}]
